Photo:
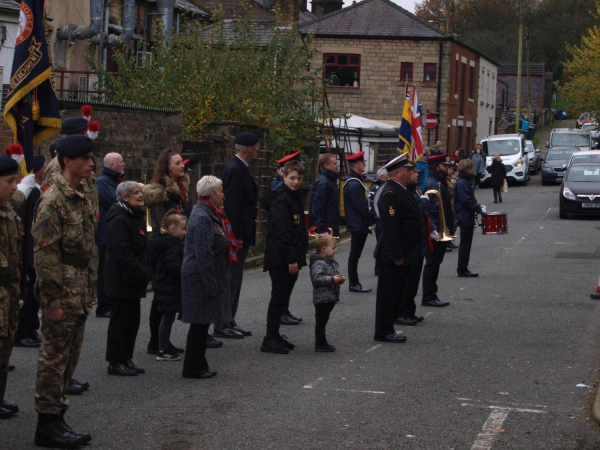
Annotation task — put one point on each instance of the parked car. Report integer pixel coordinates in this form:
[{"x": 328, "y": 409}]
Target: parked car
[
  {"x": 580, "y": 190},
  {"x": 583, "y": 118},
  {"x": 511, "y": 148},
  {"x": 570, "y": 137},
  {"x": 592, "y": 127},
  {"x": 535, "y": 161},
  {"x": 587, "y": 156},
  {"x": 555, "y": 164}
]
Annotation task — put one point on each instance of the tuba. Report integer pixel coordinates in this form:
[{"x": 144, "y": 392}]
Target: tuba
[{"x": 444, "y": 233}]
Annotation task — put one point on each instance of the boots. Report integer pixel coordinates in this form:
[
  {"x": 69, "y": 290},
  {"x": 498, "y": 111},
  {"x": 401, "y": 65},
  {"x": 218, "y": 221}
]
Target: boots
[
  {"x": 52, "y": 431},
  {"x": 86, "y": 437}
]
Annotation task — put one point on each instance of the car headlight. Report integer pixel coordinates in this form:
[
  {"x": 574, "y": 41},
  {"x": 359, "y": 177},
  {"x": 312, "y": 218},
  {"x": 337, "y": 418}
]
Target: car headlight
[
  {"x": 548, "y": 169},
  {"x": 519, "y": 164},
  {"x": 568, "y": 194}
]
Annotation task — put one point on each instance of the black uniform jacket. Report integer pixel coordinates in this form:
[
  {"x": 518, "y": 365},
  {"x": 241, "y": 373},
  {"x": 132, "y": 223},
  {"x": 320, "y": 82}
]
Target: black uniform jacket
[
  {"x": 241, "y": 195},
  {"x": 402, "y": 226}
]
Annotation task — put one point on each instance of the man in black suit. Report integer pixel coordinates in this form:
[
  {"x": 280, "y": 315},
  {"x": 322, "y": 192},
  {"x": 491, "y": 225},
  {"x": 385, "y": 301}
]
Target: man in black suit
[
  {"x": 241, "y": 195},
  {"x": 26, "y": 334},
  {"x": 399, "y": 247}
]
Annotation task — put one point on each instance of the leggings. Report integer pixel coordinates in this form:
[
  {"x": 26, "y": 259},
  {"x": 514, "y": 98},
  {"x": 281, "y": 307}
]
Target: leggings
[{"x": 164, "y": 331}]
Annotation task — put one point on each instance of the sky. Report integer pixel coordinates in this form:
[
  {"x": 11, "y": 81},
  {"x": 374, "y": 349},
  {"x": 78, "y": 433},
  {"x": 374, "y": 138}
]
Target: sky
[{"x": 406, "y": 4}]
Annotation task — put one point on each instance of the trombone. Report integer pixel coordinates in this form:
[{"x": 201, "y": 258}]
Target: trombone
[{"x": 445, "y": 235}]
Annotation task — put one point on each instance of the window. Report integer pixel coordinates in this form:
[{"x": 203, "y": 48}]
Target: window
[
  {"x": 406, "y": 71},
  {"x": 459, "y": 138},
  {"x": 471, "y": 81},
  {"x": 430, "y": 72},
  {"x": 456, "y": 78},
  {"x": 343, "y": 70},
  {"x": 461, "y": 106}
]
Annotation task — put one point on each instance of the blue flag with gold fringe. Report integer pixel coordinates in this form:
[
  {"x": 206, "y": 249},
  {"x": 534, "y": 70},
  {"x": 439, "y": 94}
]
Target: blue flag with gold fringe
[
  {"x": 405, "y": 132},
  {"x": 32, "y": 110}
]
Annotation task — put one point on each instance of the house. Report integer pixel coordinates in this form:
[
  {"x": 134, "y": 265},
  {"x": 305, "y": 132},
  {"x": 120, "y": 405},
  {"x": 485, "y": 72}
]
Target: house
[
  {"x": 540, "y": 85},
  {"x": 373, "y": 49},
  {"x": 486, "y": 106}
]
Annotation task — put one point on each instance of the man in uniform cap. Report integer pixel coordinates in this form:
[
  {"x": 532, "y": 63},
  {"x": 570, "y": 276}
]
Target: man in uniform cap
[
  {"x": 436, "y": 180},
  {"x": 63, "y": 232},
  {"x": 358, "y": 217},
  {"x": 398, "y": 250},
  {"x": 278, "y": 178},
  {"x": 241, "y": 207}
]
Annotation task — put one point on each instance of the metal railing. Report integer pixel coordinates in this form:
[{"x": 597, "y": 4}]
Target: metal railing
[{"x": 77, "y": 84}]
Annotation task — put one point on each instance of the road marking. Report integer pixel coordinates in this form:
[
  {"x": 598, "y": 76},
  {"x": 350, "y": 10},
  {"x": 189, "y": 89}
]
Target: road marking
[
  {"x": 312, "y": 385},
  {"x": 500, "y": 401},
  {"x": 508, "y": 408},
  {"x": 486, "y": 437},
  {"x": 375, "y": 347},
  {"x": 353, "y": 390}
]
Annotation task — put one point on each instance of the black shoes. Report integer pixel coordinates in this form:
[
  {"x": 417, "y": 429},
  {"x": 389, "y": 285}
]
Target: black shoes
[
  {"x": 211, "y": 342},
  {"x": 11, "y": 368},
  {"x": 130, "y": 364},
  {"x": 407, "y": 321},
  {"x": 358, "y": 288},
  {"x": 121, "y": 370},
  {"x": 105, "y": 315},
  {"x": 86, "y": 437},
  {"x": 293, "y": 316},
  {"x": 276, "y": 345},
  {"x": 418, "y": 318},
  {"x": 52, "y": 431},
  {"x": 75, "y": 388},
  {"x": 448, "y": 249},
  {"x": 237, "y": 328},
  {"x": 468, "y": 274},
  {"x": 27, "y": 342},
  {"x": 395, "y": 338},
  {"x": 152, "y": 348},
  {"x": 228, "y": 333},
  {"x": 8, "y": 410},
  {"x": 324, "y": 348},
  {"x": 198, "y": 374},
  {"x": 436, "y": 303},
  {"x": 451, "y": 245},
  {"x": 287, "y": 343},
  {"x": 286, "y": 319}
]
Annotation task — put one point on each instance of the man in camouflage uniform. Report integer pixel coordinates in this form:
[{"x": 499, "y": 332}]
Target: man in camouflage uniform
[{"x": 63, "y": 233}]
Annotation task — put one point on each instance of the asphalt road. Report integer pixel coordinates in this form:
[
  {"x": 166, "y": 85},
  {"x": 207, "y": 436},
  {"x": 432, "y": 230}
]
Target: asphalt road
[{"x": 497, "y": 369}]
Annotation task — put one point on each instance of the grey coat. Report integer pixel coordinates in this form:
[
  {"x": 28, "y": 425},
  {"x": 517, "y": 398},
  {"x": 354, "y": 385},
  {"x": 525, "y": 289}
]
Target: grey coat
[
  {"x": 322, "y": 271},
  {"x": 478, "y": 164},
  {"x": 205, "y": 270}
]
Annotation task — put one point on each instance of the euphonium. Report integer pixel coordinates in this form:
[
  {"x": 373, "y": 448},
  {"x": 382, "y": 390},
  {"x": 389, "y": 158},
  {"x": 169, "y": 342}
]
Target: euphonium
[{"x": 445, "y": 235}]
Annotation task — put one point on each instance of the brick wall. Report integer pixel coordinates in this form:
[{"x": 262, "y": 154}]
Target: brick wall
[{"x": 537, "y": 91}]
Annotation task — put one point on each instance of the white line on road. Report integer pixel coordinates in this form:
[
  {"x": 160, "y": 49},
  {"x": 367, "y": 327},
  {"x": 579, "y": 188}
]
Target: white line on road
[
  {"x": 312, "y": 385},
  {"x": 487, "y": 436},
  {"x": 353, "y": 390},
  {"x": 375, "y": 347},
  {"x": 501, "y": 401},
  {"x": 508, "y": 408}
]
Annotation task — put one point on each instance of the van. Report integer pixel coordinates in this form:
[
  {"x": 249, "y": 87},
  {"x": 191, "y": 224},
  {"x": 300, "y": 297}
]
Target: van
[
  {"x": 511, "y": 148},
  {"x": 571, "y": 137}
]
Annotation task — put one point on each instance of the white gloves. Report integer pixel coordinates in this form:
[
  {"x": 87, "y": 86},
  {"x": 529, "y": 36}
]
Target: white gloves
[
  {"x": 26, "y": 185},
  {"x": 434, "y": 235},
  {"x": 483, "y": 209},
  {"x": 425, "y": 197}
]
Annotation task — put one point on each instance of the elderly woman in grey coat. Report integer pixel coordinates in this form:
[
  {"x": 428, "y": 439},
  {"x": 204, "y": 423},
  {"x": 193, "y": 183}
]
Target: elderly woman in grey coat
[{"x": 210, "y": 251}]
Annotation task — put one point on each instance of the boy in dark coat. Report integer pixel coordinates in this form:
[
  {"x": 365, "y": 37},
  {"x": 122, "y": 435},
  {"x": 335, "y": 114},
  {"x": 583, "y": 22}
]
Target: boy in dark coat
[
  {"x": 285, "y": 249},
  {"x": 325, "y": 197}
]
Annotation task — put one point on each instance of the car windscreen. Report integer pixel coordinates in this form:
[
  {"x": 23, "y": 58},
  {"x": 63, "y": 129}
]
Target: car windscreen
[
  {"x": 502, "y": 147},
  {"x": 554, "y": 155},
  {"x": 584, "y": 173},
  {"x": 585, "y": 158},
  {"x": 589, "y": 126},
  {"x": 570, "y": 140}
]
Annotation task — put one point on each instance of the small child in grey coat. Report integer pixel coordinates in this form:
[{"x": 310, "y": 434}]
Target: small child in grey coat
[{"x": 326, "y": 280}]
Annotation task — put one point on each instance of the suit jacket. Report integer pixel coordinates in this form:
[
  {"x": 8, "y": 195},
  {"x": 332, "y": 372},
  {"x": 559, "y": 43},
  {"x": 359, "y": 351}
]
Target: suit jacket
[
  {"x": 402, "y": 224},
  {"x": 241, "y": 196}
]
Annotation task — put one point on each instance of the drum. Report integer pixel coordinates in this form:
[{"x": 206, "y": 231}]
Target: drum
[{"x": 494, "y": 223}]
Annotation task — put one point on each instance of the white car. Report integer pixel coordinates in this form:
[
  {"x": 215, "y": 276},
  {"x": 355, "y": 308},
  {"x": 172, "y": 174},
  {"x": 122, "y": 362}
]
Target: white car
[
  {"x": 535, "y": 161},
  {"x": 511, "y": 148}
]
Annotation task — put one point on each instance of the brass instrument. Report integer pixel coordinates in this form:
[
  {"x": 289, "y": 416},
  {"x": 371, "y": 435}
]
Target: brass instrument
[{"x": 445, "y": 235}]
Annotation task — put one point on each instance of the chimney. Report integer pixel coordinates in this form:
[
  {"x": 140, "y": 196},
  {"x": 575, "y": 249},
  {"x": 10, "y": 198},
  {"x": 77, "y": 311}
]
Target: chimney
[
  {"x": 288, "y": 13},
  {"x": 322, "y": 7}
]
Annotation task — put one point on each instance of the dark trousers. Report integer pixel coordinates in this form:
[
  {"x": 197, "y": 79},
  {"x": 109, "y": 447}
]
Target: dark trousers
[
  {"x": 433, "y": 261},
  {"x": 322, "y": 312},
  {"x": 407, "y": 307},
  {"x": 357, "y": 243},
  {"x": 464, "y": 250},
  {"x": 476, "y": 180},
  {"x": 390, "y": 285},
  {"x": 235, "y": 285},
  {"x": 155, "y": 319},
  {"x": 195, "y": 350},
  {"x": 122, "y": 329},
  {"x": 103, "y": 305},
  {"x": 29, "y": 321},
  {"x": 282, "y": 285},
  {"x": 497, "y": 193}
]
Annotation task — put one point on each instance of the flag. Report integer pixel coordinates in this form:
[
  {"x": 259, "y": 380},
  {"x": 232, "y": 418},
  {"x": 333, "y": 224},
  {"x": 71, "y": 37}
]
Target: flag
[
  {"x": 404, "y": 134},
  {"x": 417, "y": 138},
  {"x": 32, "y": 110}
]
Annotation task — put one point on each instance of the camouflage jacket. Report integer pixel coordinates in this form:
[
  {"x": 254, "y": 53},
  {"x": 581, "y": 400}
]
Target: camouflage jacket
[
  {"x": 63, "y": 233},
  {"x": 89, "y": 184},
  {"x": 11, "y": 237}
]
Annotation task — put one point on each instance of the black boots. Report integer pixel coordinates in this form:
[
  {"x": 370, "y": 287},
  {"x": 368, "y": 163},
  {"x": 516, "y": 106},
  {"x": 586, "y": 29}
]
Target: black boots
[{"x": 53, "y": 431}]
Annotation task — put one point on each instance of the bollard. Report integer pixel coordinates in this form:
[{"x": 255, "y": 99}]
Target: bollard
[{"x": 596, "y": 296}]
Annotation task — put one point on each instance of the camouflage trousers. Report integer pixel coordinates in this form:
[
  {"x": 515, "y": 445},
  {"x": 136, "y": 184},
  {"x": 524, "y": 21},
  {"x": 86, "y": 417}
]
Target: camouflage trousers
[
  {"x": 58, "y": 357},
  {"x": 6, "y": 346}
]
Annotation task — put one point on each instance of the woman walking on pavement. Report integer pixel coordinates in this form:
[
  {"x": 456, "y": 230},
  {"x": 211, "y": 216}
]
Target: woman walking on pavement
[{"x": 498, "y": 176}]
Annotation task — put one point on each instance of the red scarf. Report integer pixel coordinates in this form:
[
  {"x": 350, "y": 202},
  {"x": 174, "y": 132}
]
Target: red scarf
[
  {"x": 184, "y": 194},
  {"x": 226, "y": 225}
]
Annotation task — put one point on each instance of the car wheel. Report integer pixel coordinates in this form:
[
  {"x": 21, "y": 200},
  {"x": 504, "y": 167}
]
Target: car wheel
[
  {"x": 544, "y": 182},
  {"x": 561, "y": 213}
]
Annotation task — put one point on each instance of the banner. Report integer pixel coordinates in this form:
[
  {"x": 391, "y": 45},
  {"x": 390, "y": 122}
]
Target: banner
[
  {"x": 417, "y": 137},
  {"x": 31, "y": 109},
  {"x": 404, "y": 134}
]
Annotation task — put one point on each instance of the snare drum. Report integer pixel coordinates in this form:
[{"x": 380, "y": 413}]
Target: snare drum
[{"x": 494, "y": 223}]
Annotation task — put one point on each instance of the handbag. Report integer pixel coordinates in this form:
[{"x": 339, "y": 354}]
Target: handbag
[{"x": 504, "y": 187}]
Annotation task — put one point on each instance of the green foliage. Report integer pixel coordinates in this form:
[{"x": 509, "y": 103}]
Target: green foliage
[{"x": 228, "y": 71}]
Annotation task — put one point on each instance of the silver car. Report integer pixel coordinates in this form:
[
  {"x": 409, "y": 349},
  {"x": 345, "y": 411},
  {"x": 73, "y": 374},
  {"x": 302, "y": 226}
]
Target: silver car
[{"x": 535, "y": 161}]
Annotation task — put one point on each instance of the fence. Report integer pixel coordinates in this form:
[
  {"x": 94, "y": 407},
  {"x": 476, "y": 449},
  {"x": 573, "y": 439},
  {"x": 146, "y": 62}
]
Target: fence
[{"x": 77, "y": 85}]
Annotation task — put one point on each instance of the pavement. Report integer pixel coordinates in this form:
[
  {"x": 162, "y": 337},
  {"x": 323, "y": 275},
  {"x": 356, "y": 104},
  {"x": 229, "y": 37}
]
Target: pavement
[{"x": 497, "y": 369}]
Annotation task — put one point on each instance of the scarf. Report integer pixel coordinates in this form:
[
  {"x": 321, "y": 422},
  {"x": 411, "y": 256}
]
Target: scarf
[
  {"x": 226, "y": 225},
  {"x": 183, "y": 193}
]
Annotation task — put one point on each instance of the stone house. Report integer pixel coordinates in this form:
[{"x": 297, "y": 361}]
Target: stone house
[{"x": 540, "y": 85}]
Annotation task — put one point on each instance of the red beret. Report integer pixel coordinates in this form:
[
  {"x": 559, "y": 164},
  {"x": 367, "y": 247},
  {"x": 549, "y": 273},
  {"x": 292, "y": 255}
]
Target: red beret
[
  {"x": 443, "y": 158},
  {"x": 292, "y": 157},
  {"x": 356, "y": 157}
]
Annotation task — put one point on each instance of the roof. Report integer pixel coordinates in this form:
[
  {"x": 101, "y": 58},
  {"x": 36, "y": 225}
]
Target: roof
[
  {"x": 307, "y": 16},
  {"x": 380, "y": 18},
  {"x": 262, "y": 29},
  {"x": 187, "y": 5},
  {"x": 511, "y": 68},
  {"x": 10, "y": 4}
]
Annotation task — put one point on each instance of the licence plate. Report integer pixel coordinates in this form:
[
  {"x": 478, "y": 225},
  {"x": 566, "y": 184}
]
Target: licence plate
[
  {"x": 591, "y": 205},
  {"x": 560, "y": 174}
]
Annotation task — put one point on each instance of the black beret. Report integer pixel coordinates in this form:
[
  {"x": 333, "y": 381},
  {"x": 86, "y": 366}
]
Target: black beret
[
  {"x": 73, "y": 125},
  {"x": 38, "y": 161},
  {"x": 74, "y": 146},
  {"x": 8, "y": 166},
  {"x": 248, "y": 139}
]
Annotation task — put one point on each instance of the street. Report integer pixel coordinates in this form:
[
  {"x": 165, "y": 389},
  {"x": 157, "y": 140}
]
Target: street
[{"x": 497, "y": 369}]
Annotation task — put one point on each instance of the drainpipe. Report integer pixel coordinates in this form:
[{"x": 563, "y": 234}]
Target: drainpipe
[
  {"x": 73, "y": 32},
  {"x": 439, "y": 90},
  {"x": 165, "y": 7},
  {"x": 127, "y": 34}
]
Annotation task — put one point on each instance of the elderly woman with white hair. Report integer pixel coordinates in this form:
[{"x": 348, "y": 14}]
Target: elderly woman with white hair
[
  {"x": 126, "y": 276},
  {"x": 210, "y": 251}
]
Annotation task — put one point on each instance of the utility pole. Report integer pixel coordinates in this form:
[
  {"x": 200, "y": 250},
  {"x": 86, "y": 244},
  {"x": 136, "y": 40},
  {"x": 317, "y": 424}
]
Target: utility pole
[
  {"x": 528, "y": 84},
  {"x": 520, "y": 61}
]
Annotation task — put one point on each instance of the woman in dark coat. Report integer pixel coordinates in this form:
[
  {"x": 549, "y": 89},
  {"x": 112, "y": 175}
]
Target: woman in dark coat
[
  {"x": 126, "y": 276},
  {"x": 498, "y": 175},
  {"x": 210, "y": 251}
]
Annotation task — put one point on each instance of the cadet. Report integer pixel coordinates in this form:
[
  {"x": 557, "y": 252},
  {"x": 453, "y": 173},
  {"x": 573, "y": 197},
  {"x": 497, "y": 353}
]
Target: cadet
[
  {"x": 358, "y": 217},
  {"x": 325, "y": 197},
  {"x": 63, "y": 233},
  {"x": 438, "y": 167}
]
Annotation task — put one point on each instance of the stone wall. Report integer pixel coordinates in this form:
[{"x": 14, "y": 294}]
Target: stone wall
[{"x": 537, "y": 83}]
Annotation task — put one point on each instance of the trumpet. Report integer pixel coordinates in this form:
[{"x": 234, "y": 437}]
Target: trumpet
[{"x": 445, "y": 233}]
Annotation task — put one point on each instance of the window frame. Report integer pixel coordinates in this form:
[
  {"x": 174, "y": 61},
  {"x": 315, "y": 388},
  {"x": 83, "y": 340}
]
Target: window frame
[
  {"x": 402, "y": 70},
  {"x": 349, "y": 55},
  {"x": 471, "y": 82},
  {"x": 425, "y": 72}
]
